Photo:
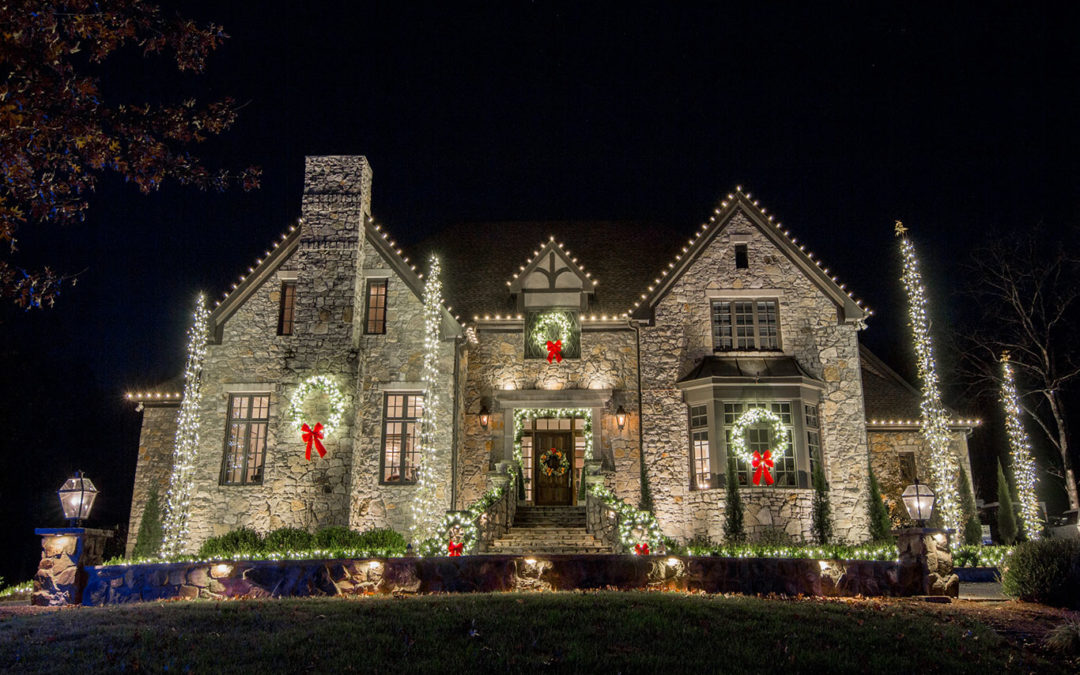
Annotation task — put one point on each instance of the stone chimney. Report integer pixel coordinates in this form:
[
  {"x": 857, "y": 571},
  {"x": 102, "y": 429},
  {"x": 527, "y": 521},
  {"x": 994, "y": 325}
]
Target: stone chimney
[{"x": 337, "y": 199}]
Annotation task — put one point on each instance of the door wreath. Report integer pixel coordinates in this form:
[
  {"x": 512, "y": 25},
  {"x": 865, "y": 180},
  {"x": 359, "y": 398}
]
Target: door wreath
[{"x": 554, "y": 462}]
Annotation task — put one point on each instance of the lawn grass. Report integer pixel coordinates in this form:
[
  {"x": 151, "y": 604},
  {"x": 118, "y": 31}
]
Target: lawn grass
[{"x": 578, "y": 632}]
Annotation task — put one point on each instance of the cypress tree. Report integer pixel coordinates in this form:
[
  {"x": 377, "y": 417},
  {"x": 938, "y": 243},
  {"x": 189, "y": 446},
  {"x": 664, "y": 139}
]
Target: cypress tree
[
  {"x": 646, "y": 503},
  {"x": 972, "y": 526},
  {"x": 733, "y": 506},
  {"x": 822, "y": 525},
  {"x": 880, "y": 523},
  {"x": 148, "y": 540},
  {"x": 1005, "y": 517}
]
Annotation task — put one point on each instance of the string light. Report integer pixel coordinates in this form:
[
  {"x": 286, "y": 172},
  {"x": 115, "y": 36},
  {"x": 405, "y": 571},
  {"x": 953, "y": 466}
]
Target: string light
[
  {"x": 1023, "y": 464},
  {"x": 426, "y": 507},
  {"x": 178, "y": 498},
  {"x": 635, "y": 526},
  {"x": 934, "y": 417}
]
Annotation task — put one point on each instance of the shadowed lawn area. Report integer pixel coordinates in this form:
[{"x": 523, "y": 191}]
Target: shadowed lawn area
[{"x": 588, "y": 632}]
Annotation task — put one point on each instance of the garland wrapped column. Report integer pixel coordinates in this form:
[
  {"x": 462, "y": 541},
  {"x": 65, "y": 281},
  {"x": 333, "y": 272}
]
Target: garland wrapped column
[
  {"x": 1023, "y": 464},
  {"x": 426, "y": 507},
  {"x": 178, "y": 498},
  {"x": 934, "y": 419}
]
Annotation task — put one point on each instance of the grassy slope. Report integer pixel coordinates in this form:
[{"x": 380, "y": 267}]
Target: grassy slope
[{"x": 605, "y": 632}]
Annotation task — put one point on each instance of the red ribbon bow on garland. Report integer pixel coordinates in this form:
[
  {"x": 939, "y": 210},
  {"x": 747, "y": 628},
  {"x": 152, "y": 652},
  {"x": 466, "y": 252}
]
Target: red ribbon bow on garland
[
  {"x": 313, "y": 436},
  {"x": 554, "y": 350},
  {"x": 762, "y": 464},
  {"x": 455, "y": 549},
  {"x": 642, "y": 548}
]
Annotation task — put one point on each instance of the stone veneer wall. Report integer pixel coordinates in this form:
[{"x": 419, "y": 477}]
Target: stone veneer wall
[
  {"x": 153, "y": 466},
  {"x": 789, "y": 510},
  {"x": 885, "y": 448},
  {"x": 809, "y": 331},
  {"x": 497, "y": 362}
]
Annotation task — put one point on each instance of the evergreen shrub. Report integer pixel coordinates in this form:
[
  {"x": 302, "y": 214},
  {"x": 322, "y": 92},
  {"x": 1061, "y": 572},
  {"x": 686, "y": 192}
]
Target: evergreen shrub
[
  {"x": 286, "y": 539},
  {"x": 337, "y": 538},
  {"x": 383, "y": 540},
  {"x": 1045, "y": 571},
  {"x": 232, "y": 544}
]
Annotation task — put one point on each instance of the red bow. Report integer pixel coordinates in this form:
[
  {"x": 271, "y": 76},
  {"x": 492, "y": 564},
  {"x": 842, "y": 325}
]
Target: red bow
[
  {"x": 456, "y": 549},
  {"x": 762, "y": 464},
  {"x": 554, "y": 350},
  {"x": 313, "y": 436},
  {"x": 642, "y": 548}
]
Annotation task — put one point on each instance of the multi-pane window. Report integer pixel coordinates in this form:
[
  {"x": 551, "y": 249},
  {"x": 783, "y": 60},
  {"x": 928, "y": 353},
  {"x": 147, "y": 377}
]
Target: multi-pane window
[
  {"x": 245, "y": 439},
  {"x": 813, "y": 436},
  {"x": 375, "y": 316},
  {"x": 285, "y": 312},
  {"x": 759, "y": 438},
  {"x": 401, "y": 431},
  {"x": 745, "y": 325},
  {"x": 699, "y": 446}
]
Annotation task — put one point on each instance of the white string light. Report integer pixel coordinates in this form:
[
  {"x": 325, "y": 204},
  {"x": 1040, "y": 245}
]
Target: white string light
[
  {"x": 1023, "y": 464},
  {"x": 427, "y": 511},
  {"x": 178, "y": 498},
  {"x": 934, "y": 417}
]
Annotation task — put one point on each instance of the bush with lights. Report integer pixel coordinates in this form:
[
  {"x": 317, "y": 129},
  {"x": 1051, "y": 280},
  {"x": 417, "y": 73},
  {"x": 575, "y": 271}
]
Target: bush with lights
[
  {"x": 981, "y": 556},
  {"x": 636, "y": 527}
]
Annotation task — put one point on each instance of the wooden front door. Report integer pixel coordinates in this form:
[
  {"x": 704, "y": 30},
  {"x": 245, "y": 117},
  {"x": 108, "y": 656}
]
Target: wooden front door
[{"x": 553, "y": 483}]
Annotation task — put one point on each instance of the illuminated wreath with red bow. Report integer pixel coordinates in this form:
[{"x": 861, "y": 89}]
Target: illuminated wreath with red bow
[
  {"x": 554, "y": 462},
  {"x": 313, "y": 434},
  {"x": 551, "y": 332},
  {"x": 760, "y": 462}
]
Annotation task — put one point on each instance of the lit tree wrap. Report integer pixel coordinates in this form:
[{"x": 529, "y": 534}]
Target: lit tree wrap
[
  {"x": 934, "y": 418},
  {"x": 1023, "y": 464},
  {"x": 178, "y": 498},
  {"x": 427, "y": 511}
]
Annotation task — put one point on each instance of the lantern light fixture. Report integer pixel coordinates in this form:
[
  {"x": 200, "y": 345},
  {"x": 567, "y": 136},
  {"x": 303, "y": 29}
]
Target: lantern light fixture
[
  {"x": 77, "y": 496},
  {"x": 620, "y": 417},
  {"x": 919, "y": 502},
  {"x": 485, "y": 416}
]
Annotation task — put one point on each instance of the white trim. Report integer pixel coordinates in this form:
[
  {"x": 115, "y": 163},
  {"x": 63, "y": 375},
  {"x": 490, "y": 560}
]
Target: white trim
[
  {"x": 251, "y": 388},
  {"x": 417, "y": 387},
  {"x": 287, "y": 275},
  {"x": 756, "y": 293}
]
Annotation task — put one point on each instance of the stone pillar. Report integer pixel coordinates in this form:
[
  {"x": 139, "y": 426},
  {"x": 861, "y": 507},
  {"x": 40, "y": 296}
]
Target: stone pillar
[
  {"x": 65, "y": 552},
  {"x": 926, "y": 561}
]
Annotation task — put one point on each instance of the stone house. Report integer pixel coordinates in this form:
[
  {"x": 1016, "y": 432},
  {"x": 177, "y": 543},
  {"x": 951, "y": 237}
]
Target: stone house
[{"x": 662, "y": 346}]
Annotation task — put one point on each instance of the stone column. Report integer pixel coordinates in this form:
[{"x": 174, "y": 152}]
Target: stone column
[
  {"x": 65, "y": 552},
  {"x": 926, "y": 562}
]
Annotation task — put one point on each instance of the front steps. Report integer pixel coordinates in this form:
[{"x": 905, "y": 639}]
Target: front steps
[{"x": 550, "y": 530}]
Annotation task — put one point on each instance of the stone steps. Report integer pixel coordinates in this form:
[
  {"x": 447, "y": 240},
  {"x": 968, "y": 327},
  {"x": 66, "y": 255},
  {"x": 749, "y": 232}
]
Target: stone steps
[{"x": 549, "y": 530}]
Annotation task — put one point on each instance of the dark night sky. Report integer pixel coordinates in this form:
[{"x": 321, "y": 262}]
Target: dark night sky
[{"x": 961, "y": 121}]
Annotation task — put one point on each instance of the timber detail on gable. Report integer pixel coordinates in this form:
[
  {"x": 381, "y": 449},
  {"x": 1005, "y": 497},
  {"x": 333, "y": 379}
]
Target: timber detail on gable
[
  {"x": 552, "y": 277},
  {"x": 849, "y": 310}
]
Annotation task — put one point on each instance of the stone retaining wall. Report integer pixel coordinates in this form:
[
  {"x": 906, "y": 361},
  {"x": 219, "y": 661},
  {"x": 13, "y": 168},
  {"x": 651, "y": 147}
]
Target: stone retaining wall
[{"x": 118, "y": 584}]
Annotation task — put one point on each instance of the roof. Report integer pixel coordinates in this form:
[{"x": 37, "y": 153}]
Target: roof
[
  {"x": 760, "y": 368},
  {"x": 478, "y": 259},
  {"x": 890, "y": 400}
]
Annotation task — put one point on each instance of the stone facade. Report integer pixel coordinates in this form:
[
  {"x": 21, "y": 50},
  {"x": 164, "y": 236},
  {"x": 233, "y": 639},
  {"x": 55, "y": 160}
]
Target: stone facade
[
  {"x": 154, "y": 465},
  {"x": 886, "y": 447},
  {"x": 338, "y": 249},
  {"x": 810, "y": 332}
]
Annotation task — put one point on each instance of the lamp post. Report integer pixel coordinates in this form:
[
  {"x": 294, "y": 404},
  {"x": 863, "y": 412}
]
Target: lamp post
[
  {"x": 919, "y": 501},
  {"x": 77, "y": 497}
]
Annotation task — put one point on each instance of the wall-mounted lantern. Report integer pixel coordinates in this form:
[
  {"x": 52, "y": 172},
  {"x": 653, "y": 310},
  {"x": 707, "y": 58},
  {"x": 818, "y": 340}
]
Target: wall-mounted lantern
[
  {"x": 485, "y": 416},
  {"x": 620, "y": 417}
]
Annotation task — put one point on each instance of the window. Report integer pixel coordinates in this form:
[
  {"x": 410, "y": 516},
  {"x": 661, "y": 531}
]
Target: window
[
  {"x": 285, "y": 313},
  {"x": 745, "y": 325},
  {"x": 245, "y": 439},
  {"x": 813, "y": 437},
  {"x": 401, "y": 431},
  {"x": 784, "y": 471},
  {"x": 907, "y": 467},
  {"x": 375, "y": 318},
  {"x": 742, "y": 257},
  {"x": 699, "y": 447}
]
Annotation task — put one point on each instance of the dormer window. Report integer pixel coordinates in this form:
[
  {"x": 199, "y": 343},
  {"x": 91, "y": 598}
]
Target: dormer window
[{"x": 746, "y": 325}]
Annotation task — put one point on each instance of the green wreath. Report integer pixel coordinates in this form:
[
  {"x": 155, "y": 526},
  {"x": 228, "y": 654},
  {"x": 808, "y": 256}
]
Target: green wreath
[
  {"x": 326, "y": 385},
  {"x": 554, "y": 462},
  {"x": 750, "y": 418},
  {"x": 552, "y": 325}
]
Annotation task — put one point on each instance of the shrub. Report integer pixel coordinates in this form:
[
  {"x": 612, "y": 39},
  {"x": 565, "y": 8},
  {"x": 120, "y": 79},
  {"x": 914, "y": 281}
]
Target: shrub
[
  {"x": 287, "y": 539},
  {"x": 772, "y": 536},
  {"x": 382, "y": 539},
  {"x": 972, "y": 527},
  {"x": 822, "y": 512},
  {"x": 337, "y": 538},
  {"x": 148, "y": 541},
  {"x": 880, "y": 525},
  {"x": 1006, "y": 517},
  {"x": 1045, "y": 571},
  {"x": 1065, "y": 638},
  {"x": 673, "y": 547},
  {"x": 232, "y": 544},
  {"x": 734, "y": 531}
]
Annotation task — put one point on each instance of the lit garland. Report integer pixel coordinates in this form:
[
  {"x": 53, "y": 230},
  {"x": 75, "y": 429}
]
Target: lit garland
[
  {"x": 981, "y": 556},
  {"x": 635, "y": 526},
  {"x": 832, "y": 552},
  {"x": 756, "y": 416},
  {"x": 934, "y": 418},
  {"x": 522, "y": 414},
  {"x": 461, "y": 526},
  {"x": 178, "y": 498},
  {"x": 426, "y": 508},
  {"x": 327, "y": 385},
  {"x": 1023, "y": 464}
]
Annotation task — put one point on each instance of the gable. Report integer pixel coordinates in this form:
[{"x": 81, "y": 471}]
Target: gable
[
  {"x": 740, "y": 204},
  {"x": 552, "y": 278}
]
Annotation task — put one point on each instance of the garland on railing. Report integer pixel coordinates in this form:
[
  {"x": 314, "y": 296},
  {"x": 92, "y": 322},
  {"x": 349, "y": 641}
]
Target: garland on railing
[
  {"x": 460, "y": 527},
  {"x": 638, "y": 530}
]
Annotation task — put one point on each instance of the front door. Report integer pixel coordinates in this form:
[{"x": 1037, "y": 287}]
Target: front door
[{"x": 553, "y": 462}]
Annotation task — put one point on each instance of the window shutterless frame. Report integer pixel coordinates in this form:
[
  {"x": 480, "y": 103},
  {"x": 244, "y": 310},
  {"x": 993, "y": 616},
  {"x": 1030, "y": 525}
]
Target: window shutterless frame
[
  {"x": 286, "y": 308},
  {"x": 403, "y": 411},
  {"x": 375, "y": 307},
  {"x": 246, "y": 428},
  {"x": 745, "y": 324}
]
